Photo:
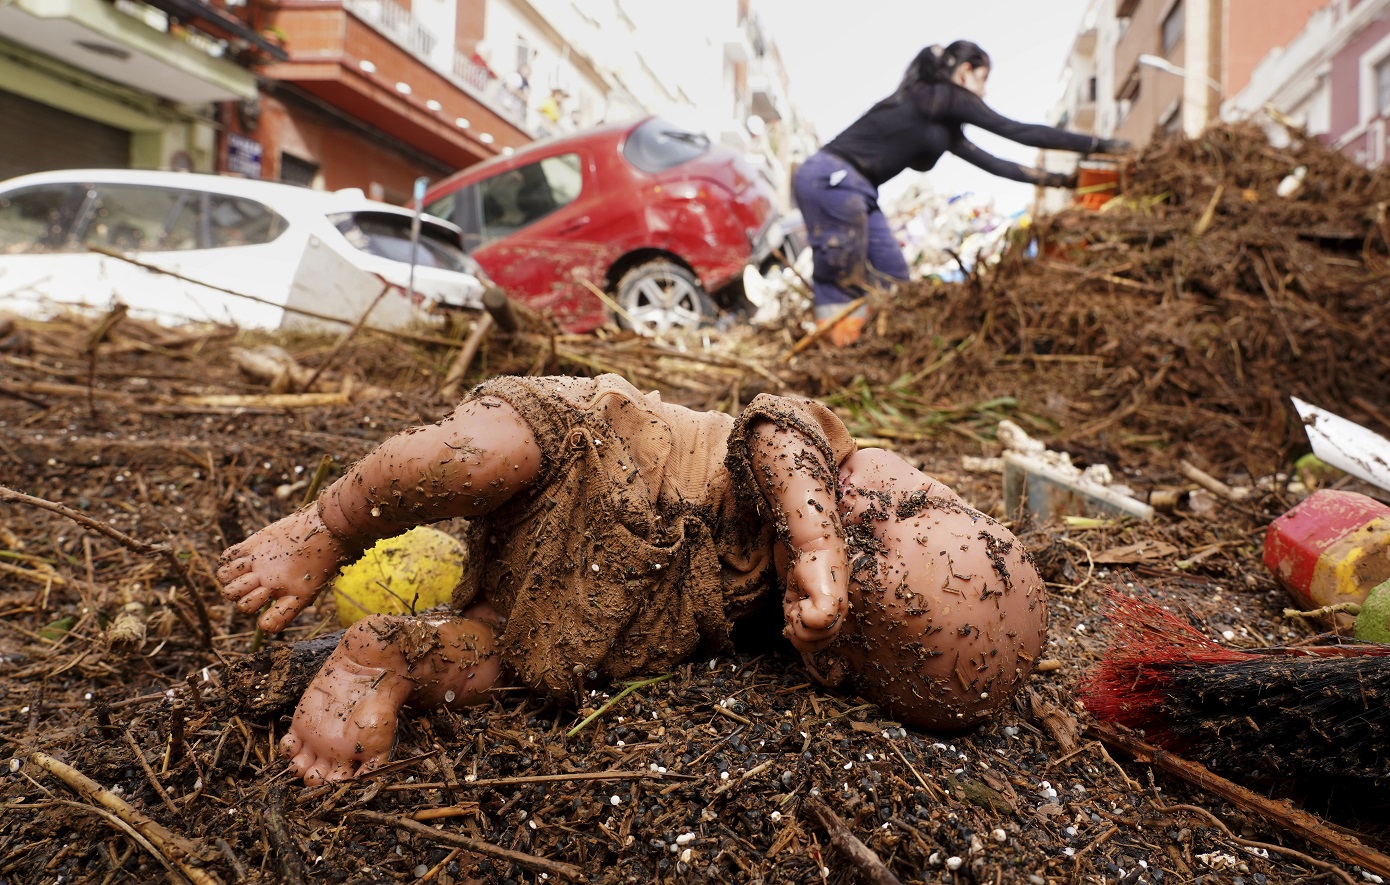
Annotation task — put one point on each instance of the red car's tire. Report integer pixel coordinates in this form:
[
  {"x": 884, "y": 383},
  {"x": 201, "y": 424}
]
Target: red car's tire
[{"x": 661, "y": 295}]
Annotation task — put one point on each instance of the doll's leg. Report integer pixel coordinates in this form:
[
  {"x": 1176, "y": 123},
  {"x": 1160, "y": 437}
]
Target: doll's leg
[
  {"x": 345, "y": 724},
  {"x": 466, "y": 465}
]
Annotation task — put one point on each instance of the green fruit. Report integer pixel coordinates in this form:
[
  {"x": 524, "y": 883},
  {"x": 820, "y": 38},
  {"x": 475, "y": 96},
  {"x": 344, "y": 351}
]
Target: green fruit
[
  {"x": 1373, "y": 624},
  {"x": 408, "y": 573}
]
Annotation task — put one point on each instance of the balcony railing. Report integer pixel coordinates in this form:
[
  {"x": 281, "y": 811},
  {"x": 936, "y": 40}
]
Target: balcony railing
[{"x": 397, "y": 23}]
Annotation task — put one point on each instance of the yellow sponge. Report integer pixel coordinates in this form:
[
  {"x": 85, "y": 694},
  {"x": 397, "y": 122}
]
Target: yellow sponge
[{"x": 408, "y": 573}]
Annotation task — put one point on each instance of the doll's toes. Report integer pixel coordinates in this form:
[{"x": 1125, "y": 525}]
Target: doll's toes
[
  {"x": 342, "y": 771},
  {"x": 237, "y": 587},
  {"x": 253, "y": 600},
  {"x": 290, "y": 745},
  {"x": 279, "y": 615},
  {"x": 233, "y": 566}
]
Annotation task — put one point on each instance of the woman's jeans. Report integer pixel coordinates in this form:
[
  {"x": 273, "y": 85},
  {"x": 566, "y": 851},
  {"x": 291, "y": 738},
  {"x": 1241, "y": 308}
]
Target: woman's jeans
[{"x": 851, "y": 244}]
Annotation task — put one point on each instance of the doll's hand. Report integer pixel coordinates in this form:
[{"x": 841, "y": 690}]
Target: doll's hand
[{"x": 816, "y": 599}]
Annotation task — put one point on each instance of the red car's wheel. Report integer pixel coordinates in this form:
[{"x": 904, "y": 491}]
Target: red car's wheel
[{"x": 661, "y": 295}]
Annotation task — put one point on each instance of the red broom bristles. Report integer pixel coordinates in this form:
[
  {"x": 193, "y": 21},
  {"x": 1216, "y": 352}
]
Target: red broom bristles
[{"x": 1133, "y": 685}]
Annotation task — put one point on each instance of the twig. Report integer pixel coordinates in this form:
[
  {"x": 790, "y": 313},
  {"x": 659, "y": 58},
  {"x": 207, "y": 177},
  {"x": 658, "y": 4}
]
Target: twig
[
  {"x": 616, "y": 308},
  {"x": 1211, "y": 483},
  {"x": 1297, "y": 821},
  {"x": 175, "y": 872},
  {"x": 611, "y": 775},
  {"x": 278, "y": 829},
  {"x": 823, "y": 328},
  {"x": 870, "y": 868},
  {"x": 394, "y": 333},
  {"x": 177, "y": 848},
  {"x": 459, "y": 367},
  {"x": 618, "y": 697},
  {"x": 1253, "y": 843},
  {"x": 8, "y": 494},
  {"x": 149, "y": 774},
  {"x": 1351, "y": 608},
  {"x": 478, "y": 846},
  {"x": 347, "y": 338}
]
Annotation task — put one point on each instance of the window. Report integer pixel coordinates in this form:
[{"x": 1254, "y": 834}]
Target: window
[
  {"x": 657, "y": 145},
  {"x": 132, "y": 217},
  {"x": 1382, "y": 71},
  {"x": 387, "y": 235},
  {"x": 234, "y": 221},
  {"x": 294, "y": 170},
  {"x": 39, "y": 219},
  {"x": 1172, "y": 27},
  {"x": 526, "y": 194}
]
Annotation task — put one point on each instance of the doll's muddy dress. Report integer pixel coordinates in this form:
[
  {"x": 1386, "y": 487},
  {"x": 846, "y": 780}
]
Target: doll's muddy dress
[{"x": 645, "y": 536}]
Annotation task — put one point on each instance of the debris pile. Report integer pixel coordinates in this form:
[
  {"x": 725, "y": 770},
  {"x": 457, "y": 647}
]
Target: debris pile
[{"x": 1183, "y": 314}]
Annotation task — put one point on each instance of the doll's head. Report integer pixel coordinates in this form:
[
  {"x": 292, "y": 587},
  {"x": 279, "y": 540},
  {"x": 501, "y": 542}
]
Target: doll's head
[{"x": 947, "y": 611}]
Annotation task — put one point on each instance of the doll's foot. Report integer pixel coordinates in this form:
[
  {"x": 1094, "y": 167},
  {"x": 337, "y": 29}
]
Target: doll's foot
[
  {"x": 345, "y": 724},
  {"x": 289, "y": 561}
]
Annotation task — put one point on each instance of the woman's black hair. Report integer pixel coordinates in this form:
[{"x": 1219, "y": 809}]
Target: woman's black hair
[{"x": 937, "y": 64}]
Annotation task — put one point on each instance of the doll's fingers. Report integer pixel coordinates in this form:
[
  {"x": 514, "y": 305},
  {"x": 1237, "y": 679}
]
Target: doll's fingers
[{"x": 252, "y": 601}]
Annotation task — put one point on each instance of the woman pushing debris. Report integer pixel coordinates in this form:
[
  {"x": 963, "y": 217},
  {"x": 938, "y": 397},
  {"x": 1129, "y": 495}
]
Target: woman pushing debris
[
  {"x": 837, "y": 188},
  {"x": 614, "y": 533}
]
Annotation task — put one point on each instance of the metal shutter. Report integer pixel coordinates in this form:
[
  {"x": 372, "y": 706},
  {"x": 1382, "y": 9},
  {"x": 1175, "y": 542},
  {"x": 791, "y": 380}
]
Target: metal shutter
[{"x": 36, "y": 137}]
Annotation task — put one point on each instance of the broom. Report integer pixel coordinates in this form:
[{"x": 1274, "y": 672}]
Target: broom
[{"x": 1299, "y": 713}]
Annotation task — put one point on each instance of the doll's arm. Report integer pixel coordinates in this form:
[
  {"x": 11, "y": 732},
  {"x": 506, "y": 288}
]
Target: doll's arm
[{"x": 795, "y": 480}]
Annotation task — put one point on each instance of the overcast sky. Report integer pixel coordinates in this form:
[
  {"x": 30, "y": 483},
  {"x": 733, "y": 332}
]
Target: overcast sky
[{"x": 849, "y": 56}]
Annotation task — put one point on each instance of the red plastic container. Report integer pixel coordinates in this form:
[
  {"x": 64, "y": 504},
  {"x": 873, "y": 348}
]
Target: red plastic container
[{"x": 1333, "y": 547}]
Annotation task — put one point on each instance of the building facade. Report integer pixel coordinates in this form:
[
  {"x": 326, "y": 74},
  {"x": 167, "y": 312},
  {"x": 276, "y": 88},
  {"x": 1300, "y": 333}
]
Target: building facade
[
  {"x": 1332, "y": 79},
  {"x": 1143, "y": 66},
  {"x": 120, "y": 82}
]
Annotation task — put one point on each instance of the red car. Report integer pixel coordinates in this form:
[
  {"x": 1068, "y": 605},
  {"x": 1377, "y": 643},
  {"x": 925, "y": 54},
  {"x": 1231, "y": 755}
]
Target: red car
[{"x": 654, "y": 216}]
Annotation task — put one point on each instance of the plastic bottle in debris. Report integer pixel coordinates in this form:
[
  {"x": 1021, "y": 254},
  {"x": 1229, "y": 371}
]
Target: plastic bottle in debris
[{"x": 1333, "y": 547}]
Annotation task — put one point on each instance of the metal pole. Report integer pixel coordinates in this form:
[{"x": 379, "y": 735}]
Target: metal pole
[{"x": 420, "y": 184}]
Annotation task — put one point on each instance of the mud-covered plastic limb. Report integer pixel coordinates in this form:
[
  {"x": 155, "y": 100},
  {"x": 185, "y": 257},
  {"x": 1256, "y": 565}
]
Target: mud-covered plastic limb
[{"x": 464, "y": 466}]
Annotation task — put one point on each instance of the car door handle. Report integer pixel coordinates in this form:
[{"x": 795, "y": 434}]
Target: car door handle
[{"x": 574, "y": 225}]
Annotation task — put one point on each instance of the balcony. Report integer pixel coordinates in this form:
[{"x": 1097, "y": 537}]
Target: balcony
[
  {"x": 372, "y": 59},
  {"x": 764, "y": 98},
  {"x": 132, "y": 44}
]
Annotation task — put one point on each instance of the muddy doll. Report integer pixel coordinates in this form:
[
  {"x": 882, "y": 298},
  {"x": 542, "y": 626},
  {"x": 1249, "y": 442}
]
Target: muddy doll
[{"x": 616, "y": 534}]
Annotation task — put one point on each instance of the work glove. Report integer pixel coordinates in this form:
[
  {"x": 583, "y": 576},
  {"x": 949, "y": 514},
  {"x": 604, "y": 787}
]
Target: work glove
[
  {"x": 1112, "y": 146},
  {"x": 1058, "y": 179}
]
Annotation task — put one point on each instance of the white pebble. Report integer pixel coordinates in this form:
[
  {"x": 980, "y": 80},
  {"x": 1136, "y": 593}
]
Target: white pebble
[
  {"x": 14, "y": 765},
  {"x": 594, "y": 566},
  {"x": 531, "y": 824},
  {"x": 449, "y": 696},
  {"x": 685, "y": 838},
  {"x": 953, "y": 862},
  {"x": 615, "y": 800},
  {"x": 1228, "y": 635},
  {"x": 848, "y": 766},
  {"x": 723, "y": 775},
  {"x": 775, "y": 816},
  {"x": 999, "y": 835},
  {"x": 686, "y": 855},
  {"x": 935, "y": 859}
]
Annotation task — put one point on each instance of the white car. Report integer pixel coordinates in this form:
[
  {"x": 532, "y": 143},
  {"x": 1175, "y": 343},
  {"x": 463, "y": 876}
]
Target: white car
[{"x": 255, "y": 254}]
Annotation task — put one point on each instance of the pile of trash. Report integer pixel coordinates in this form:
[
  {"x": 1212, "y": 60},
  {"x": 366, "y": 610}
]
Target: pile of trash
[
  {"x": 945, "y": 236},
  {"x": 1181, "y": 317}
]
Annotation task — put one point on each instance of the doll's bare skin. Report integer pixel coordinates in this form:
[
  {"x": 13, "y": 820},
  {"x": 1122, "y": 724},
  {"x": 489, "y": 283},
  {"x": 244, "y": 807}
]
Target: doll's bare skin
[
  {"x": 345, "y": 723},
  {"x": 466, "y": 466}
]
